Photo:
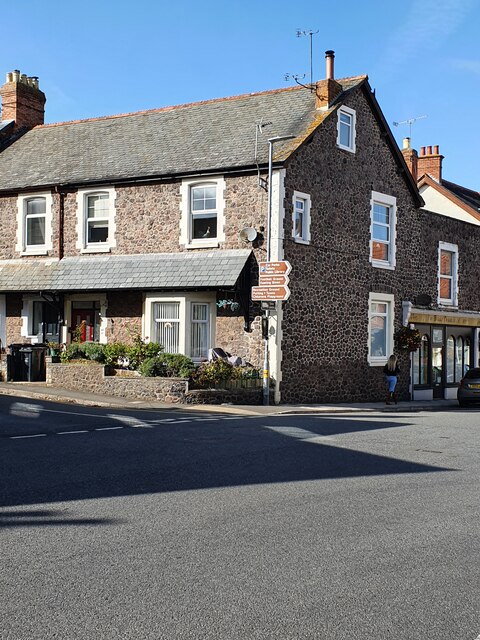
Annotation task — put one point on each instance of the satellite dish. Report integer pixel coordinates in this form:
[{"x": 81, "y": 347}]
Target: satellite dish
[
  {"x": 423, "y": 300},
  {"x": 248, "y": 234}
]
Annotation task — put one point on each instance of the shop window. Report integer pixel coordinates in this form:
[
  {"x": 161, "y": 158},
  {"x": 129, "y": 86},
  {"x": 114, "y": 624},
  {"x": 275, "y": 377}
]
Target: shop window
[
  {"x": 459, "y": 347},
  {"x": 450, "y": 360},
  {"x": 420, "y": 362},
  {"x": 466, "y": 355}
]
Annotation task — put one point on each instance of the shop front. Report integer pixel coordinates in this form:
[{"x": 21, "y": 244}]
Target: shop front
[{"x": 449, "y": 347}]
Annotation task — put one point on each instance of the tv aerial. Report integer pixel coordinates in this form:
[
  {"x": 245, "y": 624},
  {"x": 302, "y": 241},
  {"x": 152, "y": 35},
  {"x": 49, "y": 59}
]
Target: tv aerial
[
  {"x": 297, "y": 77},
  {"x": 410, "y": 121}
]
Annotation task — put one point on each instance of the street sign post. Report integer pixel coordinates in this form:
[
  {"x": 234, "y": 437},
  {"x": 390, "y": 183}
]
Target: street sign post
[
  {"x": 281, "y": 267},
  {"x": 272, "y": 281},
  {"x": 270, "y": 293}
]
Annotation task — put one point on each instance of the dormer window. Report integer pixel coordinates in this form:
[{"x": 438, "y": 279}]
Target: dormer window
[
  {"x": 346, "y": 129},
  {"x": 34, "y": 233},
  {"x": 96, "y": 220}
]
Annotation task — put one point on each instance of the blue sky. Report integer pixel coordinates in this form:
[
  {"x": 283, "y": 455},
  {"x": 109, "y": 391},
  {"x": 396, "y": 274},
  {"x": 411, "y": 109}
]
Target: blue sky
[{"x": 102, "y": 57}]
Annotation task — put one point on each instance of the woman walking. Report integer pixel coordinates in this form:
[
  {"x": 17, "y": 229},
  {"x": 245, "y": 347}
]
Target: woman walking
[{"x": 391, "y": 371}]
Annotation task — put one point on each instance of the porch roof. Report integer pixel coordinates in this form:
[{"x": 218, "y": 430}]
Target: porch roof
[{"x": 187, "y": 270}]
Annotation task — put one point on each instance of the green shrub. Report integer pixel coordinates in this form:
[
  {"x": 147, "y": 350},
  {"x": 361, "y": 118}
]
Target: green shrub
[
  {"x": 94, "y": 351},
  {"x": 178, "y": 365},
  {"x": 140, "y": 351},
  {"x": 114, "y": 353},
  {"x": 73, "y": 351},
  {"x": 209, "y": 374},
  {"x": 169, "y": 365},
  {"x": 153, "y": 367}
]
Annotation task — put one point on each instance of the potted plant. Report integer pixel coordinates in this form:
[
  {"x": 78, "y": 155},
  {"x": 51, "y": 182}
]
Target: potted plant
[{"x": 407, "y": 339}]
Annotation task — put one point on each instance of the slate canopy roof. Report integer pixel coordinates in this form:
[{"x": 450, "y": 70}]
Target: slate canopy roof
[{"x": 199, "y": 270}]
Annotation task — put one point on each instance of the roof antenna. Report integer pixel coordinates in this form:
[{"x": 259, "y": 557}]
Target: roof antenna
[
  {"x": 297, "y": 77},
  {"x": 410, "y": 121},
  {"x": 262, "y": 183}
]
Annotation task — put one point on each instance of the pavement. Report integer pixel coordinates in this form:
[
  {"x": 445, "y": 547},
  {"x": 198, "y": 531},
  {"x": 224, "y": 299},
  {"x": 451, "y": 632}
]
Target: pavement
[{"x": 42, "y": 391}]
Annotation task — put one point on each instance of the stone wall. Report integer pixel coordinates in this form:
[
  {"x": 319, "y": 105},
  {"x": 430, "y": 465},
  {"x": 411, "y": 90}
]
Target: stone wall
[
  {"x": 91, "y": 378},
  {"x": 325, "y": 327}
]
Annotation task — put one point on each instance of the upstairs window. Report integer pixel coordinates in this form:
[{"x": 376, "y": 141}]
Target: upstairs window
[
  {"x": 203, "y": 212},
  {"x": 448, "y": 274},
  {"x": 35, "y": 223},
  {"x": 346, "y": 129},
  {"x": 96, "y": 220},
  {"x": 34, "y": 234},
  {"x": 301, "y": 217},
  {"x": 382, "y": 230},
  {"x": 202, "y": 219}
]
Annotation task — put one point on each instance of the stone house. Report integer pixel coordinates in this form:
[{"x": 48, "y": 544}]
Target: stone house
[
  {"x": 133, "y": 223},
  {"x": 447, "y": 312}
]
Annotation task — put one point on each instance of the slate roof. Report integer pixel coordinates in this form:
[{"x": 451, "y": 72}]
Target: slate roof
[
  {"x": 205, "y": 270},
  {"x": 198, "y": 137},
  {"x": 471, "y": 198}
]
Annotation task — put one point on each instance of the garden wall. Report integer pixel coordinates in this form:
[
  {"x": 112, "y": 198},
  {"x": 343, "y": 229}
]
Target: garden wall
[{"x": 91, "y": 378}]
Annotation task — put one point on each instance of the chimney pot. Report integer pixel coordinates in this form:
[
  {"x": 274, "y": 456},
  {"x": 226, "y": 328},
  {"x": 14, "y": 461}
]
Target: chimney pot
[
  {"x": 435, "y": 150},
  {"x": 429, "y": 151},
  {"x": 422, "y": 151},
  {"x": 330, "y": 57},
  {"x": 22, "y": 100},
  {"x": 406, "y": 143}
]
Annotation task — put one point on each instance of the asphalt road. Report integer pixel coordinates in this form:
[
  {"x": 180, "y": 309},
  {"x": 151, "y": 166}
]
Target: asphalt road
[{"x": 179, "y": 525}]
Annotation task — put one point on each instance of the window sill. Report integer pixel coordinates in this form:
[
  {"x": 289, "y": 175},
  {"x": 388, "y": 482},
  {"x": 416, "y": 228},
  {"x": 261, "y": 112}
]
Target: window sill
[
  {"x": 448, "y": 305},
  {"x": 208, "y": 244},
  {"x": 349, "y": 149},
  {"x": 378, "y": 363},
  {"x": 382, "y": 265},
  {"x": 94, "y": 249},
  {"x": 34, "y": 252},
  {"x": 300, "y": 240}
]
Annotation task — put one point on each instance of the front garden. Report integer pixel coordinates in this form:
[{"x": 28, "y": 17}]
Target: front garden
[{"x": 143, "y": 370}]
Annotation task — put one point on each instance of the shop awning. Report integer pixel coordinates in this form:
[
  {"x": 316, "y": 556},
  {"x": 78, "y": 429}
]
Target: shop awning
[
  {"x": 457, "y": 318},
  {"x": 187, "y": 270}
]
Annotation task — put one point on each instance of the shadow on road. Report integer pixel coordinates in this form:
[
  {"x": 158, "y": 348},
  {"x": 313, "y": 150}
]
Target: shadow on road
[
  {"x": 36, "y": 518},
  {"x": 182, "y": 456}
]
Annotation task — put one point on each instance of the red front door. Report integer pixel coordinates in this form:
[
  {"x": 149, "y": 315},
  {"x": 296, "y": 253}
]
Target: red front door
[{"x": 83, "y": 322}]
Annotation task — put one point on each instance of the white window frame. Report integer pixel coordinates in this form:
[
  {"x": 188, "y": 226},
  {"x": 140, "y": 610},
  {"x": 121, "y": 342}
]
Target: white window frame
[
  {"x": 186, "y": 219},
  {"x": 21, "y": 246},
  {"x": 305, "y": 197},
  {"x": 185, "y": 300},
  {"x": 391, "y": 202},
  {"x": 82, "y": 212},
  {"x": 344, "y": 110},
  {"x": 389, "y": 300},
  {"x": 453, "y": 249}
]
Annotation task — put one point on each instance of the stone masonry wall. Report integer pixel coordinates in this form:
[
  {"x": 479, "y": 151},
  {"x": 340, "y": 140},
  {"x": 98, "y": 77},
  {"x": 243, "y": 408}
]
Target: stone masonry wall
[
  {"x": 90, "y": 378},
  {"x": 325, "y": 328}
]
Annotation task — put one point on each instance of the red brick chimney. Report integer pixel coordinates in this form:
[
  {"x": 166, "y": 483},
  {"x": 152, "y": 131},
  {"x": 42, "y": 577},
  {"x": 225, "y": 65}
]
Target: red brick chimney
[
  {"x": 430, "y": 162},
  {"x": 327, "y": 90},
  {"x": 411, "y": 158},
  {"x": 22, "y": 100}
]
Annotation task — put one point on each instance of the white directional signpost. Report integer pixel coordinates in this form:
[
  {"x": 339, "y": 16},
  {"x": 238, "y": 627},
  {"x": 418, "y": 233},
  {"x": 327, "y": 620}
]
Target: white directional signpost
[{"x": 272, "y": 281}]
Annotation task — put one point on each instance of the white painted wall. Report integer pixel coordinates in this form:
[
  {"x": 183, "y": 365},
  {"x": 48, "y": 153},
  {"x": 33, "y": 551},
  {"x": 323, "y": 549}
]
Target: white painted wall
[{"x": 438, "y": 203}]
